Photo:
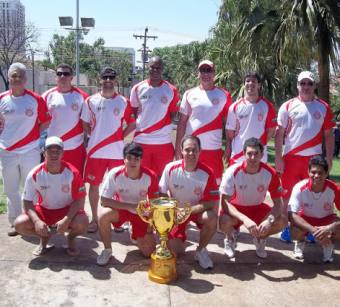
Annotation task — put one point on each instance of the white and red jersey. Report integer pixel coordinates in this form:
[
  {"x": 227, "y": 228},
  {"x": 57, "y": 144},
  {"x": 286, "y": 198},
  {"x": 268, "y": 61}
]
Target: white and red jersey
[
  {"x": 188, "y": 187},
  {"x": 250, "y": 189},
  {"x": 117, "y": 185},
  {"x": 106, "y": 117},
  {"x": 250, "y": 120},
  {"x": 154, "y": 105},
  {"x": 54, "y": 191},
  {"x": 65, "y": 109},
  {"x": 206, "y": 111},
  {"x": 304, "y": 124},
  {"x": 319, "y": 205},
  {"x": 20, "y": 117}
]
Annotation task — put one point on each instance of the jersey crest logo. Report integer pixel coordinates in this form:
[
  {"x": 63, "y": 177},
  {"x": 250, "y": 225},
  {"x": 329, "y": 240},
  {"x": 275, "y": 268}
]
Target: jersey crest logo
[
  {"x": 260, "y": 117},
  {"x": 116, "y": 111},
  {"x": 198, "y": 190},
  {"x": 260, "y": 188},
  {"x": 215, "y": 101},
  {"x": 65, "y": 188},
  {"x": 29, "y": 112},
  {"x": 75, "y": 106},
  {"x": 164, "y": 99},
  {"x": 327, "y": 206},
  {"x": 317, "y": 115}
]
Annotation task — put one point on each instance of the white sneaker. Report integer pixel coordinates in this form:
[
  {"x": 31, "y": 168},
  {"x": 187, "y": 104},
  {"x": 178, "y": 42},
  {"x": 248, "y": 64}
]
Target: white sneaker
[
  {"x": 260, "y": 246},
  {"x": 104, "y": 257},
  {"x": 299, "y": 247},
  {"x": 328, "y": 253},
  {"x": 203, "y": 259},
  {"x": 230, "y": 245}
]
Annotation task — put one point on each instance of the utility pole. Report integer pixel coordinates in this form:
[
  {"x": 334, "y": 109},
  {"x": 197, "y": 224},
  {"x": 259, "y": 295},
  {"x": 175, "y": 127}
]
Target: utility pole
[{"x": 145, "y": 50}]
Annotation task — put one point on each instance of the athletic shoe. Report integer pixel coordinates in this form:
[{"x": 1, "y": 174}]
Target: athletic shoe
[
  {"x": 285, "y": 235},
  {"x": 104, "y": 257},
  {"x": 328, "y": 253},
  {"x": 230, "y": 245},
  {"x": 12, "y": 232},
  {"x": 299, "y": 247},
  {"x": 203, "y": 259},
  {"x": 260, "y": 246}
]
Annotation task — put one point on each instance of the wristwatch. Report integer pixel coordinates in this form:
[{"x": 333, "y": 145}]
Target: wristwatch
[{"x": 271, "y": 219}]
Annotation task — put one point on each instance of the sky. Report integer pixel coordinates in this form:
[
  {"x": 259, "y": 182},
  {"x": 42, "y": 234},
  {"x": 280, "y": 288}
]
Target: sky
[{"x": 172, "y": 21}]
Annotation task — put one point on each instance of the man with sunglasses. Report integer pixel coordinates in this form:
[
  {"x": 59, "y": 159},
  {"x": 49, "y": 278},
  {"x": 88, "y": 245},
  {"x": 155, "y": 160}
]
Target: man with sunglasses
[
  {"x": 23, "y": 115},
  {"x": 65, "y": 103},
  {"x": 103, "y": 116},
  {"x": 124, "y": 186},
  {"x": 154, "y": 102},
  {"x": 53, "y": 198},
  {"x": 203, "y": 112},
  {"x": 302, "y": 124}
]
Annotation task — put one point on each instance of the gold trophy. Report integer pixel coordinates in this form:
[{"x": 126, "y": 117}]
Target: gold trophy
[{"x": 162, "y": 213}]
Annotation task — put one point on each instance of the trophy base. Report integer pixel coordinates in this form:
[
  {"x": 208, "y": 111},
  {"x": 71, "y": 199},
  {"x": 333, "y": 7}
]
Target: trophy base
[{"x": 162, "y": 271}]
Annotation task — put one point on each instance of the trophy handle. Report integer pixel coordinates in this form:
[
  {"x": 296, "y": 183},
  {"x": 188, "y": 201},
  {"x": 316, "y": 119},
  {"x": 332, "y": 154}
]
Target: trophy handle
[
  {"x": 144, "y": 209},
  {"x": 183, "y": 218}
]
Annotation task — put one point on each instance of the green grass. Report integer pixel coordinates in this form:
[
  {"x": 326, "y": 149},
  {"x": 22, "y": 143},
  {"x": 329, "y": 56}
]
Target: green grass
[{"x": 3, "y": 205}]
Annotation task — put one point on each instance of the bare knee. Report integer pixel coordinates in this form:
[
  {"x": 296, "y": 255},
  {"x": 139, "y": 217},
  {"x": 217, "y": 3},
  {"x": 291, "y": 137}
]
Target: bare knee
[
  {"x": 80, "y": 223},
  {"x": 146, "y": 245},
  {"x": 226, "y": 223},
  {"x": 23, "y": 224},
  {"x": 107, "y": 216}
]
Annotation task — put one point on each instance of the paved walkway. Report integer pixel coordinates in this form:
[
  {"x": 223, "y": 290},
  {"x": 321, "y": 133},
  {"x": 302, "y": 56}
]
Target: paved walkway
[{"x": 59, "y": 280}]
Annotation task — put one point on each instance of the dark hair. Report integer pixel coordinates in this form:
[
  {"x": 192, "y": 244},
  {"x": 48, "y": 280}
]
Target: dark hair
[
  {"x": 191, "y": 137},
  {"x": 252, "y": 142},
  {"x": 154, "y": 59},
  {"x": 133, "y": 149},
  {"x": 64, "y": 65},
  {"x": 318, "y": 160},
  {"x": 252, "y": 74}
]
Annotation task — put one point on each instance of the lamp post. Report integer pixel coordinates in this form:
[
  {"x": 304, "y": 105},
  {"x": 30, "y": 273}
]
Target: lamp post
[{"x": 86, "y": 23}]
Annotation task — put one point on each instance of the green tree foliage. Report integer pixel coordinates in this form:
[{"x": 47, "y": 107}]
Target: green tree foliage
[{"x": 92, "y": 57}]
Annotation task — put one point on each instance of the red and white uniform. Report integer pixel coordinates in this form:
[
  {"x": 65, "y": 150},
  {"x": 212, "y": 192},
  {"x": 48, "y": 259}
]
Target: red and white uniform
[
  {"x": 188, "y": 187},
  {"x": 206, "y": 110},
  {"x": 250, "y": 189},
  {"x": 154, "y": 105},
  {"x": 250, "y": 120},
  {"x": 19, "y": 121},
  {"x": 66, "y": 109},
  {"x": 119, "y": 186},
  {"x": 106, "y": 116},
  {"x": 54, "y": 191},
  {"x": 316, "y": 205},
  {"x": 304, "y": 124}
]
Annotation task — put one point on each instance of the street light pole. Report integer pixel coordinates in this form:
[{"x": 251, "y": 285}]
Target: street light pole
[{"x": 77, "y": 43}]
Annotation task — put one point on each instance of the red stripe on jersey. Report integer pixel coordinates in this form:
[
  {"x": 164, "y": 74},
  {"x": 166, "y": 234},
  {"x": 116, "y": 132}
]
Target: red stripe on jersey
[
  {"x": 117, "y": 136},
  {"x": 215, "y": 124},
  {"x": 275, "y": 186},
  {"x": 316, "y": 140},
  {"x": 328, "y": 123},
  {"x": 236, "y": 156},
  {"x": 43, "y": 114},
  {"x": 76, "y": 130},
  {"x": 271, "y": 115},
  {"x": 153, "y": 189}
]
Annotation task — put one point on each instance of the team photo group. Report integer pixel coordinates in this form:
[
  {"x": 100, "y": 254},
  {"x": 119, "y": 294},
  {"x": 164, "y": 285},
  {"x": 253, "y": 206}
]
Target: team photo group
[{"x": 201, "y": 149}]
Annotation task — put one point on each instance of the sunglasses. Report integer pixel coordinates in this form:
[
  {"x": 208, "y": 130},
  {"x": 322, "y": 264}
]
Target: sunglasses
[
  {"x": 206, "y": 70},
  {"x": 108, "y": 77},
  {"x": 63, "y": 73},
  {"x": 310, "y": 83}
]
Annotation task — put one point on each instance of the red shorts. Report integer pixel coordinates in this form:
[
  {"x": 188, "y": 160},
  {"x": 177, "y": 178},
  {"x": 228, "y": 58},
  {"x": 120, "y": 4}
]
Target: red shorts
[
  {"x": 214, "y": 160},
  {"x": 51, "y": 217},
  {"x": 95, "y": 169},
  {"x": 139, "y": 228},
  {"x": 155, "y": 157},
  {"x": 295, "y": 170},
  {"x": 76, "y": 157},
  {"x": 256, "y": 213},
  {"x": 178, "y": 231},
  {"x": 324, "y": 221}
]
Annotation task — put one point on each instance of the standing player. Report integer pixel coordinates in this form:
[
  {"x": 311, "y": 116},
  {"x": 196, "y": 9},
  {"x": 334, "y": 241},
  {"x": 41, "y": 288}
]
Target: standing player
[
  {"x": 311, "y": 207},
  {"x": 243, "y": 189},
  {"x": 190, "y": 181},
  {"x": 154, "y": 102},
  {"x": 103, "y": 117},
  {"x": 203, "y": 113},
  {"x": 23, "y": 114},
  {"x": 123, "y": 187},
  {"x": 250, "y": 116},
  {"x": 65, "y": 103},
  {"x": 302, "y": 124},
  {"x": 53, "y": 198}
]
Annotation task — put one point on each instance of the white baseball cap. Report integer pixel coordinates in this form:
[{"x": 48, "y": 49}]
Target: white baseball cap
[
  {"x": 54, "y": 141},
  {"x": 206, "y": 63},
  {"x": 306, "y": 75}
]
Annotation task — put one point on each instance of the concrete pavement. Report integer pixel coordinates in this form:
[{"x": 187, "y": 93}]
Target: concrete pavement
[{"x": 57, "y": 279}]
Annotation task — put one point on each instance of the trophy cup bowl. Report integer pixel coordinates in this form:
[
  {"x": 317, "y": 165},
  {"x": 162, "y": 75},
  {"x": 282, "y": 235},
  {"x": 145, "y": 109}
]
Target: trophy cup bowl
[{"x": 162, "y": 215}]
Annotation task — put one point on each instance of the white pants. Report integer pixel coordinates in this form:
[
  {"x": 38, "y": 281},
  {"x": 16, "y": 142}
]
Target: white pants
[{"x": 15, "y": 168}]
